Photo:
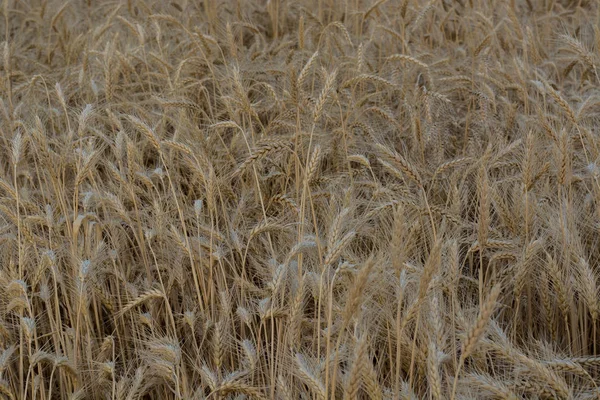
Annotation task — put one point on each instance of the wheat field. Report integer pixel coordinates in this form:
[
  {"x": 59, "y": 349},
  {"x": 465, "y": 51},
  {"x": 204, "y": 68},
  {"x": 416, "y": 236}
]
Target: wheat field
[{"x": 315, "y": 199}]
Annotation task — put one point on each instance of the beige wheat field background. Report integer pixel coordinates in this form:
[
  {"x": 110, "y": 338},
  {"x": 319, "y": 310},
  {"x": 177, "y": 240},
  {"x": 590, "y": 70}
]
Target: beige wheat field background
[{"x": 315, "y": 199}]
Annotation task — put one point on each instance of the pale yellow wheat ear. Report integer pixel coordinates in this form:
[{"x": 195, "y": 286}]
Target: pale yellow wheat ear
[
  {"x": 353, "y": 381},
  {"x": 5, "y": 389},
  {"x": 148, "y": 295},
  {"x": 324, "y": 95},
  {"x": 308, "y": 376},
  {"x": 313, "y": 164},
  {"x": 337, "y": 247},
  {"x": 261, "y": 151},
  {"x": 477, "y": 330},
  {"x": 302, "y": 77},
  {"x": 356, "y": 292},
  {"x": 400, "y": 164},
  {"x": 433, "y": 374},
  {"x": 490, "y": 385}
]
